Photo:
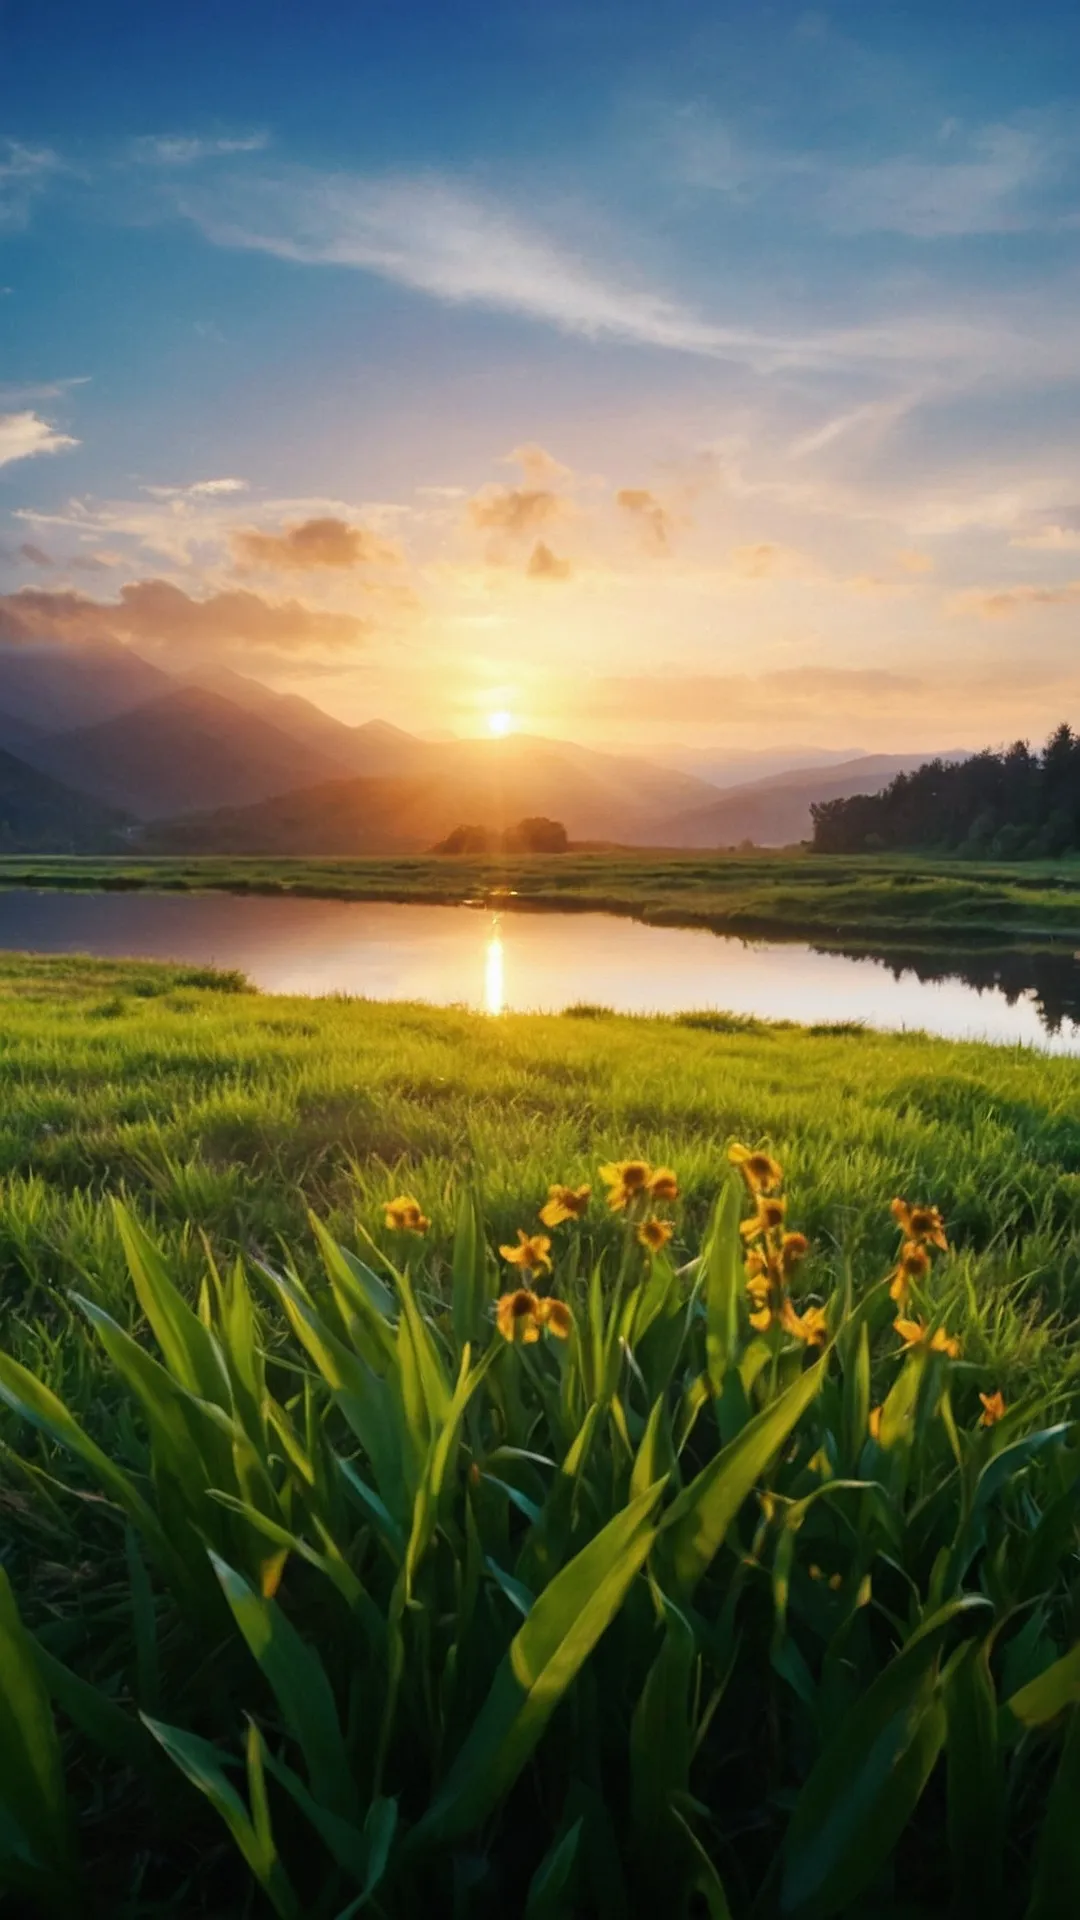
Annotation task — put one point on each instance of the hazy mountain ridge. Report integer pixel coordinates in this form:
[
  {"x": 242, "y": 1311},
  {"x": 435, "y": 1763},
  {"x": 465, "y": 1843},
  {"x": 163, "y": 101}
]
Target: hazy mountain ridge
[
  {"x": 776, "y": 811},
  {"x": 42, "y": 815},
  {"x": 214, "y": 760}
]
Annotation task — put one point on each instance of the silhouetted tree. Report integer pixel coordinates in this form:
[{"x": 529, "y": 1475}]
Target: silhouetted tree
[{"x": 1014, "y": 805}]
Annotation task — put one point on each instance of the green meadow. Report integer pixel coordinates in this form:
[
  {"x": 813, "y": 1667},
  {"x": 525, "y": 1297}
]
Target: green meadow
[
  {"x": 319, "y": 1596},
  {"x": 827, "y": 896}
]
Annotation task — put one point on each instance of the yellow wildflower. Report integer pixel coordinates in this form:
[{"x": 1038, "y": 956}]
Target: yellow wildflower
[
  {"x": 919, "y": 1223},
  {"x": 403, "y": 1215},
  {"x": 663, "y": 1184},
  {"x": 769, "y": 1216},
  {"x": 993, "y": 1409},
  {"x": 874, "y": 1423},
  {"x": 915, "y": 1333},
  {"x": 564, "y": 1203},
  {"x": 517, "y": 1316},
  {"x": 556, "y": 1316},
  {"x": 532, "y": 1253},
  {"x": 913, "y": 1264},
  {"x": 760, "y": 1171},
  {"x": 655, "y": 1234},
  {"x": 755, "y": 1263},
  {"x": 812, "y": 1326},
  {"x": 626, "y": 1181},
  {"x": 793, "y": 1248},
  {"x": 836, "y": 1581}
]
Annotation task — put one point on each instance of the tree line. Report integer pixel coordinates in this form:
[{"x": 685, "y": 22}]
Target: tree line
[{"x": 1016, "y": 805}]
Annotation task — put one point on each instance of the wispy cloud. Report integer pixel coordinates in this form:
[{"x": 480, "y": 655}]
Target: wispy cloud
[
  {"x": 1000, "y": 603},
  {"x": 24, "y": 434},
  {"x": 186, "y": 150},
  {"x": 959, "y": 180},
  {"x": 198, "y": 490},
  {"x": 24, "y": 171}
]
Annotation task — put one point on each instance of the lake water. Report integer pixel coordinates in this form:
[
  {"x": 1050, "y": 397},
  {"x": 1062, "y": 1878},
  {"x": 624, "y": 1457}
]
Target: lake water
[{"x": 544, "y": 962}]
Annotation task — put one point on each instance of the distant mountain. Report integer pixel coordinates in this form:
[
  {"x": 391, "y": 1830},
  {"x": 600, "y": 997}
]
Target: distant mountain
[
  {"x": 15, "y": 735},
  {"x": 301, "y": 719},
  {"x": 63, "y": 684},
  {"x": 187, "y": 749},
  {"x": 40, "y": 815},
  {"x": 776, "y": 811},
  {"x": 489, "y": 783},
  {"x": 739, "y": 766}
]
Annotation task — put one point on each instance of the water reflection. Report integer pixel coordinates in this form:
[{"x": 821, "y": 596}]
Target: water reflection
[
  {"x": 494, "y": 979},
  {"x": 546, "y": 962},
  {"x": 1049, "y": 979}
]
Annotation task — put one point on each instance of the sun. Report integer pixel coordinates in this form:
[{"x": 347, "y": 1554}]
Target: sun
[{"x": 500, "y": 723}]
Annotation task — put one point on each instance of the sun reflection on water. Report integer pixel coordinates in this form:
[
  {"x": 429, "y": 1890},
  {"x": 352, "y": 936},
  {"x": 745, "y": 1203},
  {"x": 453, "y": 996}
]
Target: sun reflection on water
[{"x": 494, "y": 985}]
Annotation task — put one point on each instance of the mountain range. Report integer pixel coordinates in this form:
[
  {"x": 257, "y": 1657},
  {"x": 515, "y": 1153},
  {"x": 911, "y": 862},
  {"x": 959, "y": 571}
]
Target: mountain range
[{"x": 100, "y": 748}]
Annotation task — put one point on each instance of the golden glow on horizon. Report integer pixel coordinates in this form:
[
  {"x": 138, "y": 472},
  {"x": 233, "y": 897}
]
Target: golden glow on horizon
[
  {"x": 500, "y": 723},
  {"x": 494, "y": 984}
]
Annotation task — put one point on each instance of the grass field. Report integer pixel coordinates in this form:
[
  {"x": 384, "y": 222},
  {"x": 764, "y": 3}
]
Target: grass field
[
  {"x": 828, "y": 897},
  {"x": 216, "y": 1112}
]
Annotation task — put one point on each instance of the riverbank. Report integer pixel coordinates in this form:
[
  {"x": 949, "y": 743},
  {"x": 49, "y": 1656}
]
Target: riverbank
[{"x": 825, "y": 898}]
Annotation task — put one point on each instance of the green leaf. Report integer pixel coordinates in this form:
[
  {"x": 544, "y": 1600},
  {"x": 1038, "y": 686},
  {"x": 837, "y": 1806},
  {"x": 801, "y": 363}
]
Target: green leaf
[
  {"x": 698, "y": 1519},
  {"x": 550, "y": 1887},
  {"x": 29, "y": 1397},
  {"x": 32, "y": 1793},
  {"x": 661, "y": 1733},
  {"x": 869, "y": 1777},
  {"x": 190, "y": 1351},
  {"x": 297, "y": 1678},
  {"x": 1054, "y": 1691},
  {"x": 365, "y": 1304},
  {"x": 544, "y": 1658},
  {"x": 201, "y": 1763},
  {"x": 117, "y": 1733},
  {"x": 1057, "y": 1854},
  {"x": 705, "y": 1878},
  {"x": 470, "y": 1291},
  {"x": 975, "y": 1797}
]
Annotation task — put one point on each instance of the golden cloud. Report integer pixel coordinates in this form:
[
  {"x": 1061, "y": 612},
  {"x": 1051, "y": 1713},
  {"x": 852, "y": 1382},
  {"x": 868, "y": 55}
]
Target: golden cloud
[
  {"x": 792, "y": 694},
  {"x": 308, "y": 544},
  {"x": 159, "y": 617},
  {"x": 545, "y": 565},
  {"x": 514, "y": 511},
  {"x": 650, "y": 515},
  {"x": 1002, "y": 602}
]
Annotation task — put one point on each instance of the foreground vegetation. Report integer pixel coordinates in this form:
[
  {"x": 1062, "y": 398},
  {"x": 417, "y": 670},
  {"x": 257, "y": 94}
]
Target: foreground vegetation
[
  {"x": 767, "y": 1614},
  {"x": 832, "y": 899}
]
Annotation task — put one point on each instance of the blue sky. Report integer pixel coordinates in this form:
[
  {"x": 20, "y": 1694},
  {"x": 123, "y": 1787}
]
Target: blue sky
[{"x": 675, "y": 372}]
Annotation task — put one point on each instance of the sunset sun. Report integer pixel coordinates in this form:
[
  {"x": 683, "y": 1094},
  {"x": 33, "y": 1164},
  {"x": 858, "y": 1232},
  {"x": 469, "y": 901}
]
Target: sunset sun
[{"x": 500, "y": 723}]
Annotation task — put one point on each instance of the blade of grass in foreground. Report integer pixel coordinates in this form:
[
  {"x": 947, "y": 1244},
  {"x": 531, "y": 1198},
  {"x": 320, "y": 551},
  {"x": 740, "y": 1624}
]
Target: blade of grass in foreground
[{"x": 543, "y": 1659}]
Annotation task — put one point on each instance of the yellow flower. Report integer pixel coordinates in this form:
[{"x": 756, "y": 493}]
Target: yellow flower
[
  {"x": 655, "y": 1234},
  {"x": 769, "y": 1216},
  {"x": 993, "y": 1409},
  {"x": 812, "y": 1326},
  {"x": 517, "y": 1316},
  {"x": 761, "y": 1319},
  {"x": 755, "y": 1264},
  {"x": 913, "y": 1264},
  {"x": 556, "y": 1316},
  {"x": 919, "y": 1223},
  {"x": 626, "y": 1181},
  {"x": 760, "y": 1171},
  {"x": 564, "y": 1203},
  {"x": 915, "y": 1333},
  {"x": 403, "y": 1215},
  {"x": 793, "y": 1248},
  {"x": 874, "y": 1423},
  {"x": 532, "y": 1253},
  {"x": 663, "y": 1184}
]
